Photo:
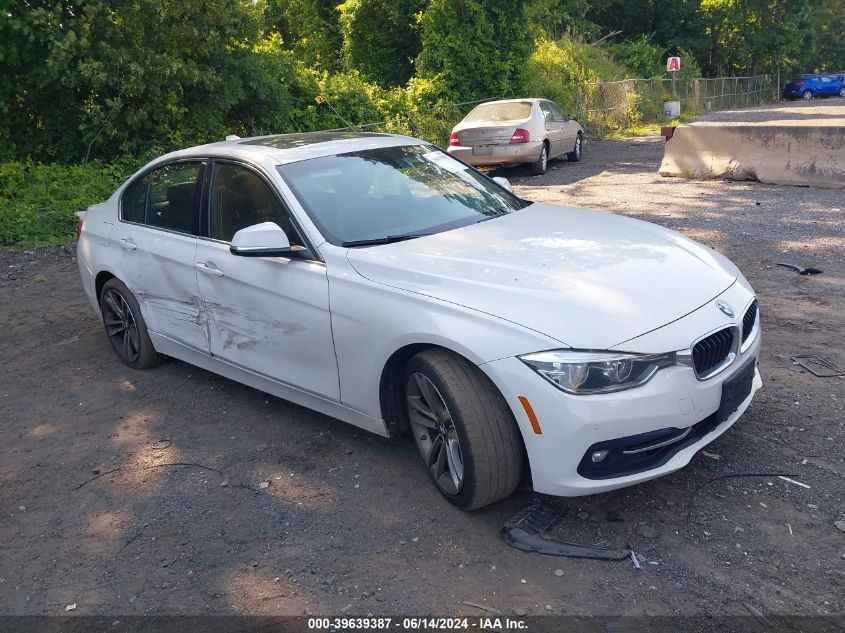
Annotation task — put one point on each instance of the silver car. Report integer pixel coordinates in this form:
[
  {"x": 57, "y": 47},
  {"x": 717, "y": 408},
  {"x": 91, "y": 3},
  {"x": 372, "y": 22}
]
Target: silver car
[{"x": 513, "y": 131}]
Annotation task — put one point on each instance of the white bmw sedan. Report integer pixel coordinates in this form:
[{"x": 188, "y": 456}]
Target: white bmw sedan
[{"x": 378, "y": 280}]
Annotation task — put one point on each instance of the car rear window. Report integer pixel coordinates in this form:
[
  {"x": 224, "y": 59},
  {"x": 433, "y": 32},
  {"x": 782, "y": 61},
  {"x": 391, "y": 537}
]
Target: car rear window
[{"x": 511, "y": 111}]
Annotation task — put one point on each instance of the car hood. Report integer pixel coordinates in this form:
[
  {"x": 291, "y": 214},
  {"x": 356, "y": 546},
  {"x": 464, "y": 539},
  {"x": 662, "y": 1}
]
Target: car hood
[{"x": 589, "y": 279}]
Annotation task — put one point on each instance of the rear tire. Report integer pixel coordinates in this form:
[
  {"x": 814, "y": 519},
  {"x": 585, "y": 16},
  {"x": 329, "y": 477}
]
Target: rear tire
[
  {"x": 808, "y": 94},
  {"x": 451, "y": 402},
  {"x": 842, "y": 91},
  {"x": 125, "y": 327},
  {"x": 539, "y": 167},
  {"x": 575, "y": 155}
]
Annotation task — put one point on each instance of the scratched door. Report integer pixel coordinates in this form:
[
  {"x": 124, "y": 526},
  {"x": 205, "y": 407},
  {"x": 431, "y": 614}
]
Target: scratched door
[
  {"x": 266, "y": 314},
  {"x": 154, "y": 244}
]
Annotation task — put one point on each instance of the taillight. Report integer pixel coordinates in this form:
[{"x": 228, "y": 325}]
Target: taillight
[
  {"x": 520, "y": 136},
  {"x": 79, "y": 228},
  {"x": 454, "y": 140},
  {"x": 799, "y": 83}
]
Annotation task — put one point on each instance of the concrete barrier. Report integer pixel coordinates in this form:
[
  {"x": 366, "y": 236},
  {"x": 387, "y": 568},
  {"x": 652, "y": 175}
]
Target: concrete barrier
[{"x": 778, "y": 154}]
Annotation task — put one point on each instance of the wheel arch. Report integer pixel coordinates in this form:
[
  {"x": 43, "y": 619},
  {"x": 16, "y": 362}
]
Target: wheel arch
[
  {"x": 392, "y": 389},
  {"x": 100, "y": 280}
]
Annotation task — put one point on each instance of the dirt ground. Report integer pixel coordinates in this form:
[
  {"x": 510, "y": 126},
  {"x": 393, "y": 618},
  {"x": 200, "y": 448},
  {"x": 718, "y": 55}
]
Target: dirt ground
[{"x": 127, "y": 492}]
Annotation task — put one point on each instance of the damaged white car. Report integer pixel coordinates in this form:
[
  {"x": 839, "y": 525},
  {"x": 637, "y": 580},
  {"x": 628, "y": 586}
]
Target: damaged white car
[{"x": 380, "y": 281}]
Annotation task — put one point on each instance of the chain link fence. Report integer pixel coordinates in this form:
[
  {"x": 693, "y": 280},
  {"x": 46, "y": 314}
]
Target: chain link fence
[
  {"x": 602, "y": 107},
  {"x": 608, "y": 106}
]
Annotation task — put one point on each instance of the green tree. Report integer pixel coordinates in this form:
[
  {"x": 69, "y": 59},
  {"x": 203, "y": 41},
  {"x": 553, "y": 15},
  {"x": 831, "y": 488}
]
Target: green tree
[
  {"x": 105, "y": 78},
  {"x": 556, "y": 18},
  {"x": 311, "y": 28},
  {"x": 667, "y": 23},
  {"x": 381, "y": 38},
  {"x": 477, "y": 48},
  {"x": 826, "y": 38},
  {"x": 751, "y": 36}
]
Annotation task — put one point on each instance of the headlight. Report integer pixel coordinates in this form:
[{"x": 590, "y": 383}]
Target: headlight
[{"x": 584, "y": 373}]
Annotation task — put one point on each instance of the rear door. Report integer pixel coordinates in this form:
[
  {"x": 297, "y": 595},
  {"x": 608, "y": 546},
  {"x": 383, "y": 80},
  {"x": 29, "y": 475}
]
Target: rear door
[
  {"x": 269, "y": 315},
  {"x": 156, "y": 241},
  {"x": 552, "y": 127}
]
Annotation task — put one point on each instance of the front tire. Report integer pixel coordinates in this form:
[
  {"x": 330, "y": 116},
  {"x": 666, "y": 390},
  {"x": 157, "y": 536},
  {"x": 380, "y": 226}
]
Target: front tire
[
  {"x": 538, "y": 167},
  {"x": 842, "y": 91},
  {"x": 125, "y": 327},
  {"x": 463, "y": 428},
  {"x": 575, "y": 155}
]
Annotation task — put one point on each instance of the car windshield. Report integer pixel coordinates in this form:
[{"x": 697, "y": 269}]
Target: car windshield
[
  {"x": 393, "y": 193},
  {"x": 500, "y": 112}
]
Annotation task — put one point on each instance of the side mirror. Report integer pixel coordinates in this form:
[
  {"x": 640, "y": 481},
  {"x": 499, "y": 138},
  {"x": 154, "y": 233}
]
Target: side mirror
[
  {"x": 570, "y": 117},
  {"x": 503, "y": 182},
  {"x": 262, "y": 240}
]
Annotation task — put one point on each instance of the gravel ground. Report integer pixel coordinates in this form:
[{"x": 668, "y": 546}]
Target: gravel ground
[
  {"x": 816, "y": 112},
  {"x": 127, "y": 492}
]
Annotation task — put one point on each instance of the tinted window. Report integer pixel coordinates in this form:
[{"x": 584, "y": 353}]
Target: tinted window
[
  {"x": 241, "y": 198},
  {"x": 547, "y": 111},
  {"x": 134, "y": 201},
  {"x": 170, "y": 203},
  {"x": 557, "y": 112},
  {"x": 394, "y": 191}
]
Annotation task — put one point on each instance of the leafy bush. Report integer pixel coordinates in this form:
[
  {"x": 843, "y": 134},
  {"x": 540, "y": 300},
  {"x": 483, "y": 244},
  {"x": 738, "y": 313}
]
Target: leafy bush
[
  {"x": 645, "y": 59},
  {"x": 37, "y": 202},
  {"x": 556, "y": 70},
  {"x": 477, "y": 48},
  {"x": 689, "y": 67},
  {"x": 381, "y": 38},
  {"x": 642, "y": 57}
]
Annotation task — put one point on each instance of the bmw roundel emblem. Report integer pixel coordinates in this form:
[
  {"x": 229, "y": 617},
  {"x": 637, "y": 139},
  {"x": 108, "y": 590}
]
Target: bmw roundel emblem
[{"x": 725, "y": 308}]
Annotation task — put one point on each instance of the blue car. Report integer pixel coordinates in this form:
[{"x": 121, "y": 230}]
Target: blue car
[{"x": 810, "y": 86}]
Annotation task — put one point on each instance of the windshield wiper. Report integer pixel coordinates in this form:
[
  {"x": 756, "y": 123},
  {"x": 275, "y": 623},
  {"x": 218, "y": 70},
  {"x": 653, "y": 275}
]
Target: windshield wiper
[{"x": 389, "y": 239}]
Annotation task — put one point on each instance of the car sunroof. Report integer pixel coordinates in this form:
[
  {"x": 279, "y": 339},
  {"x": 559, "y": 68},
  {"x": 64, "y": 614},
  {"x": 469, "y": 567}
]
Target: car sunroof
[{"x": 288, "y": 141}]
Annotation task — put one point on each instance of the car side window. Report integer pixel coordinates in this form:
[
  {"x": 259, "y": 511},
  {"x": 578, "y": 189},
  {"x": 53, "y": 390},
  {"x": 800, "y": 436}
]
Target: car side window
[
  {"x": 547, "y": 111},
  {"x": 172, "y": 194},
  {"x": 241, "y": 198},
  {"x": 134, "y": 201},
  {"x": 558, "y": 113}
]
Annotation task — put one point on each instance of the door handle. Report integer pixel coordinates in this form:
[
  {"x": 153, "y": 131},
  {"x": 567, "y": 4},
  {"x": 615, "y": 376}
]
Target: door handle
[
  {"x": 208, "y": 269},
  {"x": 129, "y": 245}
]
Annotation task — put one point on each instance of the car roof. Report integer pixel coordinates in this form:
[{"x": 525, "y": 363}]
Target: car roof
[
  {"x": 288, "y": 148},
  {"x": 526, "y": 100}
]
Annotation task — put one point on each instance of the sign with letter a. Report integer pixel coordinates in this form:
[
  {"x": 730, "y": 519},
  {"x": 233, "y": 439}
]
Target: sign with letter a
[{"x": 673, "y": 64}]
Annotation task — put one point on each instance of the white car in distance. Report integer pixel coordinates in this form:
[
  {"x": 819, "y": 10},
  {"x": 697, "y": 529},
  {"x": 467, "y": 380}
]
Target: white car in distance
[{"x": 378, "y": 280}]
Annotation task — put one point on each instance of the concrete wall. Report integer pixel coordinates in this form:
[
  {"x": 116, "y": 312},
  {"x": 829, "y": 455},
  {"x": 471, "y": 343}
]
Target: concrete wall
[{"x": 779, "y": 154}]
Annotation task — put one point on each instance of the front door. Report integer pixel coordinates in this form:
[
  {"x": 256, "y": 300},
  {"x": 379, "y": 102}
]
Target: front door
[
  {"x": 156, "y": 241},
  {"x": 568, "y": 129},
  {"x": 269, "y": 315}
]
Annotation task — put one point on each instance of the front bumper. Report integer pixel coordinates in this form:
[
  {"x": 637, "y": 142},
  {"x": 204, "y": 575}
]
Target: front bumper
[
  {"x": 498, "y": 154},
  {"x": 673, "y": 401}
]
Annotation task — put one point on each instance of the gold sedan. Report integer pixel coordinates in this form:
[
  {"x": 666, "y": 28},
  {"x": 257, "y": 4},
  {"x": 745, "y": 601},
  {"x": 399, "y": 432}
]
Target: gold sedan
[{"x": 513, "y": 131}]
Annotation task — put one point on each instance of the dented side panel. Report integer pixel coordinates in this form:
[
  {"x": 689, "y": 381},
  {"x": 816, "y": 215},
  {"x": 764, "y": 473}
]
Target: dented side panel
[
  {"x": 158, "y": 267},
  {"x": 271, "y": 315}
]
